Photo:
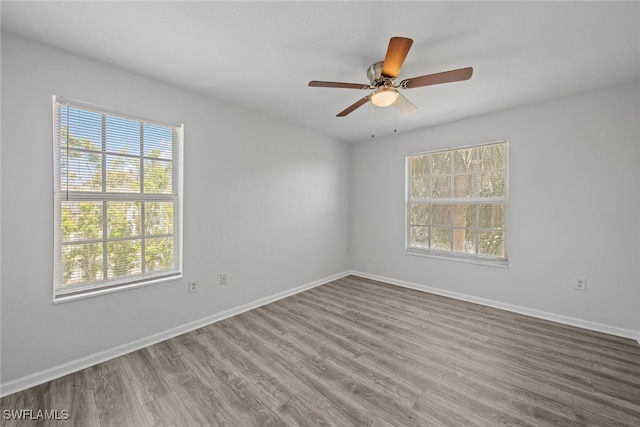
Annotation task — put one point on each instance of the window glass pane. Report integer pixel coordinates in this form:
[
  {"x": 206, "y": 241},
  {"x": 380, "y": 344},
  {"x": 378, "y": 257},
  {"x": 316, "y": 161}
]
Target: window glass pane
[
  {"x": 441, "y": 215},
  {"x": 419, "y": 214},
  {"x": 419, "y": 165},
  {"x": 441, "y": 187},
  {"x": 81, "y": 221},
  {"x": 492, "y": 216},
  {"x": 81, "y": 263},
  {"x": 491, "y": 243},
  {"x": 420, "y": 187},
  {"x": 472, "y": 218},
  {"x": 124, "y": 257},
  {"x": 123, "y": 219},
  {"x": 80, "y": 171},
  {"x": 464, "y": 215},
  {"x": 419, "y": 237},
  {"x": 82, "y": 144},
  {"x": 493, "y": 157},
  {"x": 441, "y": 163},
  {"x": 441, "y": 238},
  {"x": 471, "y": 239},
  {"x": 158, "y": 178},
  {"x": 122, "y": 136},
  {"x": 492, "y": 184},
  {"x": 157, "y": 141},
  {"x": 464, "y": 240},
  {"x": 465, "y": 160},
  {"x": 465, "y": 186},
  {"x": 84, "y": 128},
  {"x": 123, "y": 174},
  {"x": 158, "y": 218},
  {"x": 159, "y": 253}
]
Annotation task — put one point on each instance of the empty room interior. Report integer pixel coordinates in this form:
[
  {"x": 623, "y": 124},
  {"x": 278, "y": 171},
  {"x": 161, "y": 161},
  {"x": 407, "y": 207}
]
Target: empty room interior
[{"x": 320, "y": 213}]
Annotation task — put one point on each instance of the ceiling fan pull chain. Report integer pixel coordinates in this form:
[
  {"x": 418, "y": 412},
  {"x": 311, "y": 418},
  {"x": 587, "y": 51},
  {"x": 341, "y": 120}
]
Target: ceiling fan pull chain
[
  {"x": 372, "y": 121},
  {"x": 395, "y": 121}
]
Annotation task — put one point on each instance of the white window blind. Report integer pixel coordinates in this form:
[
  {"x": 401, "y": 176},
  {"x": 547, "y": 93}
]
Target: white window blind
[
  {"x": 456, "y": 202},
  {"x": 118, "y": 199}
]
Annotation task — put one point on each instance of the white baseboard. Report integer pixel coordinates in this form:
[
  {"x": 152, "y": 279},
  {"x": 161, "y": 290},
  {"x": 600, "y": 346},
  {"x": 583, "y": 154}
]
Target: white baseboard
[
  {"x": 558, "y": 318},
  {"x": 41, "y": 377}
]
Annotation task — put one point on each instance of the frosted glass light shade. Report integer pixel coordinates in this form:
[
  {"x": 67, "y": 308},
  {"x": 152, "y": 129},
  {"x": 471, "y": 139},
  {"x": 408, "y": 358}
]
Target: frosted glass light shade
[{"x": 384, "y": 97}]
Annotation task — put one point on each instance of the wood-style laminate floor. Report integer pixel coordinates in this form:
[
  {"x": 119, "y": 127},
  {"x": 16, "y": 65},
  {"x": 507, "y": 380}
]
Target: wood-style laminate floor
[{"x": 356, "y": 352}]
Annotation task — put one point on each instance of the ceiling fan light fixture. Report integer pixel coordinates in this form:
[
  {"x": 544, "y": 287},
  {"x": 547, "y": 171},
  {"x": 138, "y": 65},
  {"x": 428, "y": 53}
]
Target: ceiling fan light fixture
[
  {"x": 384, "y": 97},
  {"x": 383, "y": 78}
]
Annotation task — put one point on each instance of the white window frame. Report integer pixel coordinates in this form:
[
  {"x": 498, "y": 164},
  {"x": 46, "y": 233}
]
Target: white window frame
[
  {"x": 498, "y": 261},
  {"x": 70, "y": 292}
]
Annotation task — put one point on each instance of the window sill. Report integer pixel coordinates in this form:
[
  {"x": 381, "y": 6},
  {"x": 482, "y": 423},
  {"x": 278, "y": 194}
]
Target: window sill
[
  {"x": 89, "y": 293},
  {"x": 460, "y": 258}
]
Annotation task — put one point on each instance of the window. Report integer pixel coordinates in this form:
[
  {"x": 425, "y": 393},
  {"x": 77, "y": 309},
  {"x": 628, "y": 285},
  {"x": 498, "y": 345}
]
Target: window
[
  {"x": 457, "y": 203},
  {"x": 118, "y": 200}
]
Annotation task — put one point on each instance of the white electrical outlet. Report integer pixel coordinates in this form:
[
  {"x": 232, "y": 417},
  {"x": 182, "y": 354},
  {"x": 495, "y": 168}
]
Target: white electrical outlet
[
  {"x": 580, "y": 284},
  {"x": 223, "y": 279},
  {"x": 193, "y": 286}
]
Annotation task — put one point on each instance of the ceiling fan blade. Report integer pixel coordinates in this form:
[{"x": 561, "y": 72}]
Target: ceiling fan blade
[
  {"x": 396, "y": 53},
  {"x": 438, "y": 78},
  {"x": 404, "y": 105},
  {"x": 317, "y": 83},
  {"x": 352, "y": 107}
]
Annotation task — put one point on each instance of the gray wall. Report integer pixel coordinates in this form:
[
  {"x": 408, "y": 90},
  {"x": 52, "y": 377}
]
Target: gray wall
[
  {"x": 574, "y": 203},
  {"x": 264, "y": 201}
]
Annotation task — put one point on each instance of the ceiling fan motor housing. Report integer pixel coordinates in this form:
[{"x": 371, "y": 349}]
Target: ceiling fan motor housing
[{"x": 376, "y": 79}]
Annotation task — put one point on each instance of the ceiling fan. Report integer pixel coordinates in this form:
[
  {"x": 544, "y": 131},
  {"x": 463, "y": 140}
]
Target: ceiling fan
[{"x": 383, "y": 77}]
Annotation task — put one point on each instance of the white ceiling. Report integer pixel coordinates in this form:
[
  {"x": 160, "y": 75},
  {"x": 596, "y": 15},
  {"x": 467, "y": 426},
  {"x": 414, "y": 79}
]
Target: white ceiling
[{"x": 261, "y": 55}]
